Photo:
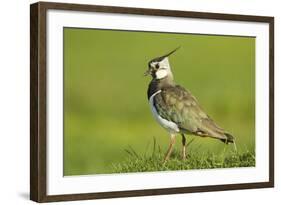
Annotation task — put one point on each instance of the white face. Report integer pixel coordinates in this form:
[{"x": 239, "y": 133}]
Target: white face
[
  {"x": 162, "y": 68},
  {"x": 161, "y": 73}
]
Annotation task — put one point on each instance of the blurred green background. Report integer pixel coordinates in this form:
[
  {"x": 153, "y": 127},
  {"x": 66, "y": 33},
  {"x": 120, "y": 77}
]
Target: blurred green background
[{"x": 105, "y": 104}]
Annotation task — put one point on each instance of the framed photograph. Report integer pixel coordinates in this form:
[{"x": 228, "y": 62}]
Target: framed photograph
[{"x": 134, "y": 102}]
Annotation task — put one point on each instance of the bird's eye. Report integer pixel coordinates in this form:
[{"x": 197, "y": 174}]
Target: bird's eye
[{"x": 157, "y": 66}]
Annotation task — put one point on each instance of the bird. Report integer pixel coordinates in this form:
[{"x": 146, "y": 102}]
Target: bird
[{"x": 176, "y": 109}]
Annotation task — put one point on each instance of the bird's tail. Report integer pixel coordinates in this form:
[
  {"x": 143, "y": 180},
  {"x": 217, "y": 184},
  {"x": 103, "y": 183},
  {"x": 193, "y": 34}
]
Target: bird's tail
[{"x": 229, "y": 138}]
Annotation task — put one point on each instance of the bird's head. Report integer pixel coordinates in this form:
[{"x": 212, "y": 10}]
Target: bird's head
[{"x": 159, "y": 67}]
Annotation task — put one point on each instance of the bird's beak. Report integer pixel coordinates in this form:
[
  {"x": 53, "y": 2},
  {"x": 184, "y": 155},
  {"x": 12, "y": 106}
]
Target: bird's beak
[{"x": 147, "y": 72}]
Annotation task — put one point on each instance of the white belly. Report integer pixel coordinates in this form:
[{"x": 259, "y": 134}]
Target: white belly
[{"x": 168, "y": 125}]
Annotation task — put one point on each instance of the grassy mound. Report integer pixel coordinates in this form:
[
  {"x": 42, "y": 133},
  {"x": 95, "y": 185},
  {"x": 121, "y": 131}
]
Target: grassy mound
[{"x": 195, "y": 160}]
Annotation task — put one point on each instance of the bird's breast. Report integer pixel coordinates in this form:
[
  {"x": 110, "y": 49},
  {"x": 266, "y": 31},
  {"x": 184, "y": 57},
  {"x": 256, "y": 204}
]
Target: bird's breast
[{"x": 168, "y": 125}]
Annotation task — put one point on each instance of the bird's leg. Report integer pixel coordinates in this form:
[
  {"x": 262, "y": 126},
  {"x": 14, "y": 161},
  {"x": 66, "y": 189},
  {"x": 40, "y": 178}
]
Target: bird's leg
[
  {"x": 183, "y": 147},
  {"x": 171, "y": 145},
  {"x": 234, "y": 145}
]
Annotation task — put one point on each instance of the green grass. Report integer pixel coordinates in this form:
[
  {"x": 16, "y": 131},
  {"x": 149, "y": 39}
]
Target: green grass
[{"x": 229, "y": 158}]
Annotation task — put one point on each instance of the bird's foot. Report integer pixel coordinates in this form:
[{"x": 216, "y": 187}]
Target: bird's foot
[
  {"x": 165, "y": 160},
  {"x": 183, "y": 157}
]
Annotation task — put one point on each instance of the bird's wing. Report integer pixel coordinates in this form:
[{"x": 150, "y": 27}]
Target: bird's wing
[{"x": 179, "y": 106}]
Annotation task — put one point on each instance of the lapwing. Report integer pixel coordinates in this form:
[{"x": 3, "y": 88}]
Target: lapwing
[{"x": 176, "y": 109}]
